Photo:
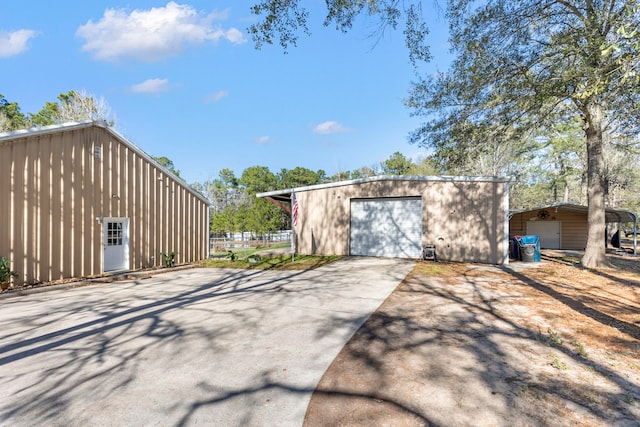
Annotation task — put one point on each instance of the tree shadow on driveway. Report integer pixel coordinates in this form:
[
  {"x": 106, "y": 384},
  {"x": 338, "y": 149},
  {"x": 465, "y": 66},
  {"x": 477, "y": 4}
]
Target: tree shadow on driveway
[
  {"x": 200, "y": 346},
  {"x": 466, "y": 347}
]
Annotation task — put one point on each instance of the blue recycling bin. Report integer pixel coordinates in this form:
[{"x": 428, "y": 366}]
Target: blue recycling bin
[
  {"x": 515, "y": 247},
  {"x": 529, "y": 248}
]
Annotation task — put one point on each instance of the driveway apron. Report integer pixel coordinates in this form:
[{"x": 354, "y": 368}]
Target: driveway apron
[{"x": 193, "y": 347}]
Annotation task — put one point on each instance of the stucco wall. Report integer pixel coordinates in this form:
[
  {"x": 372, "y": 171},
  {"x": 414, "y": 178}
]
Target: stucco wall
[
  {"x": 464, "y": 219},
  {"x": 54, "y": 191}
]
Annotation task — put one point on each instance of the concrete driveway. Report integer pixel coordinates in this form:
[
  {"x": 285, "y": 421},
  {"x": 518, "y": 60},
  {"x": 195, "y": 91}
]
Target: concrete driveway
[{"x": 191, "y": 347}]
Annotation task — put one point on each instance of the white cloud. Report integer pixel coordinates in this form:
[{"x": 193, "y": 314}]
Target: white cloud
[
  {"x": 153, "y": 34},
  {"x": 263, "y": 140},
  {"x": 15, "y": 42},
  {"x": 329, "y": 127},
  {"x": 217, "y": 96},
  {"x": 234, "y": 35},
  {"x": 151, "y": 86}
]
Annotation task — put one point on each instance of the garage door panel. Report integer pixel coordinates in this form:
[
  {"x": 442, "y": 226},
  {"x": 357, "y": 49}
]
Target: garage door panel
[
  {"x": 548, "y": 231},
  {"x": 386, "y": 227}
]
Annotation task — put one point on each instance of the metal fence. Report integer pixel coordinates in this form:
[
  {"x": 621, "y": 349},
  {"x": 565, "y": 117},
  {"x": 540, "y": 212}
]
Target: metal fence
[{"x": 248, "y": 240}]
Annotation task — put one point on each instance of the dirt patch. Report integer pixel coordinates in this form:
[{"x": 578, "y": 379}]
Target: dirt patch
[{"x": 463, "y": 344}]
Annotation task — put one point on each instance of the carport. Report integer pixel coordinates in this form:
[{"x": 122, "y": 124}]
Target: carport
[{"x": 564, "y": 225}]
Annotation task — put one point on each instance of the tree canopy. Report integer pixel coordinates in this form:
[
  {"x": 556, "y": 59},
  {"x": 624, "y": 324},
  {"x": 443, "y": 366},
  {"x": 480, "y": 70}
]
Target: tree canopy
[
  {"x": 71, "y": 106},
  {"x": 11, "y": 117},
  {"x": 397, "y": 164},
  {"x": 519, "y": 63},
  {"x": 168, "y": 164}
]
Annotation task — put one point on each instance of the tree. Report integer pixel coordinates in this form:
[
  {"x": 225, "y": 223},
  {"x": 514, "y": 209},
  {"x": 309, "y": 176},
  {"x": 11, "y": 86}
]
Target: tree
[
  {"x": 263, "y": 216},
  {"x": 228, "y": 178},
  {"x": 518, "y": 62},
  {"x": 48, "y": 115},
  {"x": 282, "y": 19},
  {"x": 342, "y": 176},
  {"x": 397, "y": 164},
  {"x": 425, "y": 167},
  {"x": 235, "y": 207},
  {"x": 11, "y": 118},
  {"x": 562, "y": 158},
  {"x": 300, "y": 177},
  {"x": 363, "y": 172},
  {"x": 71, "y": 106},
  {"x": 79, "y": 106},
  {"x": 258, "y": 179},
  {"x": 621, "y": 177},
  {"x": 168, "y": 164},
  {"x": 222, "y": 221}
]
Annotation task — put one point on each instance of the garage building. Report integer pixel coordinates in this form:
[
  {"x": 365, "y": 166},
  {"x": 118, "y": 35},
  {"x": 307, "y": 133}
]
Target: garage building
[
  {"x": 79, "y": 200},
  {"x": 466, "y": 218}
]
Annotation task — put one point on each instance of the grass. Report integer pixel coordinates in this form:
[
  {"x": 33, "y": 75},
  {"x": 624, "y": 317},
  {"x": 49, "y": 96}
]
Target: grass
[
  {"x": 580, "y": 348},
  {"x": 430, "y": 270},
  {"x": 242, "y": 253},
  {"x": 559, "y": 364},
  {"x": 572, "y": 260},
  {"x": 552, "y": 339},
  {"x": 276, "y": 262},
  {"x": 522, "y": 391}
]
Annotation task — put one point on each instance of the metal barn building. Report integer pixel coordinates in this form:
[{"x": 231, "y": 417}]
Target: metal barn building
[
  {"x": 466, "y": 218},
  {"x": 79, "y": 200}
]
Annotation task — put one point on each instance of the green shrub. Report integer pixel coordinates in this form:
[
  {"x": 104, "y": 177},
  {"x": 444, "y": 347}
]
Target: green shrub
[
  {"x": 169, "y": 260},
  {"x": 6, "y": 274}
]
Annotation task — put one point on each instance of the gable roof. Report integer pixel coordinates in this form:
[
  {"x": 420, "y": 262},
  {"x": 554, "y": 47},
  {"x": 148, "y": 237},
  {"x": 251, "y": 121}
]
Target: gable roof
[
  {"x": 70, "y": 126},
  {"x": 611, "y": 215}
]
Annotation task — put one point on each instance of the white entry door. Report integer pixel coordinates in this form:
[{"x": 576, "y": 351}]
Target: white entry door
[
  {"x": 116, "y": 244},
  {"x": 549, "y": 232}
]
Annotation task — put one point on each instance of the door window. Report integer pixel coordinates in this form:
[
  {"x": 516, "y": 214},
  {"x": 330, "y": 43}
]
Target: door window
[{"x": 114, "y": 234}]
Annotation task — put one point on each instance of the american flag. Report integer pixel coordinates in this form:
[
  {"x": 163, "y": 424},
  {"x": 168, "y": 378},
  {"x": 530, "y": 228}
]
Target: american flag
[{"x": 294, "y": 209}]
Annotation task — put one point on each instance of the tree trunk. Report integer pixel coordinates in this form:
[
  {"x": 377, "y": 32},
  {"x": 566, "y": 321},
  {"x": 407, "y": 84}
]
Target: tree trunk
[{"x": 594, "y": 254}]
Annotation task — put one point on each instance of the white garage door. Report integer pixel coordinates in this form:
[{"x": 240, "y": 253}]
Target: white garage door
[
  {"x": 386, "y": 227},
  {"x": 549, "y": 232}
]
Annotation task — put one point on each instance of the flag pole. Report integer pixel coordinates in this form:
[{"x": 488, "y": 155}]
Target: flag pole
[{"x": 293, "y": 230}]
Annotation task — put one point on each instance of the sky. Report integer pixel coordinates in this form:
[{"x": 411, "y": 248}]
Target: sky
[{"x": 184, "y": 80}]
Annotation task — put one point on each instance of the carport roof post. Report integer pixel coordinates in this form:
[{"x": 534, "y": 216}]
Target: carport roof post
[{"x": 285, "y": 195}]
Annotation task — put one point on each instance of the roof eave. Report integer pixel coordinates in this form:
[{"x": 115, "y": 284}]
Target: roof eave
[{"x": 288, "y": 191}]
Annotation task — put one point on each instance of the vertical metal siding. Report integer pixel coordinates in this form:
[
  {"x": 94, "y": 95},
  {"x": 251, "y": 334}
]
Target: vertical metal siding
[
  {"x": 54, "y": 191},
  {"x": 465, "y": 219}
]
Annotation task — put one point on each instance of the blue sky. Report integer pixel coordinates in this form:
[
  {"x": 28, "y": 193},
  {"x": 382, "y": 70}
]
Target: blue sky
[{"x": 184, "y": 80}]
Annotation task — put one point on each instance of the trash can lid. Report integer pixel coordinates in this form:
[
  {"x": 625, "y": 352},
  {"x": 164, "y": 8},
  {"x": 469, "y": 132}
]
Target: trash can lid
[{"x": 529, "y": 239}]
